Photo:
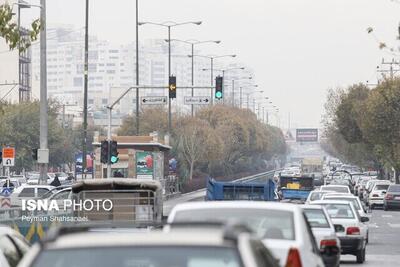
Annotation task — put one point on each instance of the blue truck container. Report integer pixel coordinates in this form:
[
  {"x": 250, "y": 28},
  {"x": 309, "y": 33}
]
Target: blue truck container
[
  {"x": 240, "y": 190},
  {"x": 295, "y": 188}
]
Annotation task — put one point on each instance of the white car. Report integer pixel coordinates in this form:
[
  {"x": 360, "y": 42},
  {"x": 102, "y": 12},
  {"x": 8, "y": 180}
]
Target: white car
[
  {"x": 324, "y": 233},
  {"x": 282, "y": 226},
  {"x": 368, "y": 188},
  {"x": 349, "y": 226},
  {"x": 336, "y": 188},
  {"x": 347, "y": 197},
  {"x": 27, "y": 191},
  {"x": 206, "y": 247},
  {"x": 377, "y": 193},
  {"x": 316, "y": 195},
  {"x": 13, "y": 247}
]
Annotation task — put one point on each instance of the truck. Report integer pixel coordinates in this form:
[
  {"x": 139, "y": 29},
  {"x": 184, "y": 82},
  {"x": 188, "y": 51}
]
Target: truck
[
  {"x": 262, "y": 191},
  {"x": 312, "y": 165},
  {"x": 295, "y": 188}
]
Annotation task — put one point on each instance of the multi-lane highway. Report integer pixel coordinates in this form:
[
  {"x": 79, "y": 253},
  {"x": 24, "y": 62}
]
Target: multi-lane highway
[{"x": 384, "y": 247}]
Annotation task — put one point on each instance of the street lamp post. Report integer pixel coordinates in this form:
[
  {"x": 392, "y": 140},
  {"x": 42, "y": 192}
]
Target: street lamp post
[
  {"x": 192, "y": 44},
  {"x": 85, "y": 90},
  {"x": 137, "y": 67},
  {"x": 43, "y": 89},
  {"x": 169, "y": 25},
  {"x": 212, "y": 69},
  {"x": 233, "y": 88}
]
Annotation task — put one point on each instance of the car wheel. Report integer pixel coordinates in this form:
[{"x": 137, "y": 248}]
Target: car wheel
[{"x": 361, "y": 256}]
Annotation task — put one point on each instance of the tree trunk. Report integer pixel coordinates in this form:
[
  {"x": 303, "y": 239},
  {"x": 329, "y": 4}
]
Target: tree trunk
[
  {"x": 397, "y": 175},
  {"x": 191, "y": 170}
]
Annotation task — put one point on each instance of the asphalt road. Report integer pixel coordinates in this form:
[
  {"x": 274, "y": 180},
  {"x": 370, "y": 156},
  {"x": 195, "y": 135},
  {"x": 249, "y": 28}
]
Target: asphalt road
[{"x": 383, "y": 249}]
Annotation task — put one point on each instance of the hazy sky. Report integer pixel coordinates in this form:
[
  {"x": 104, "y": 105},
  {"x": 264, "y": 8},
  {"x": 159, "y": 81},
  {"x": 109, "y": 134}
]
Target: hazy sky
[{"x": 297, "y": 48}]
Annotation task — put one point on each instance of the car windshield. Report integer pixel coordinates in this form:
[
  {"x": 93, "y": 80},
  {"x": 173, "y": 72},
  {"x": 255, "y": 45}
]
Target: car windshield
[
  {"x": 339, "y": 211},
  {"x": 394, "y": 188},
  {"x": 171, "y": 256},
  {"x": 316, "y": 218},
  {"x": 339, "y": 189},
  {"x": 316, "y": 195},
  {"x": 381, "y": 187},
  {"x": 352, "y": 200},
  {"x": 273, "y": 224}
]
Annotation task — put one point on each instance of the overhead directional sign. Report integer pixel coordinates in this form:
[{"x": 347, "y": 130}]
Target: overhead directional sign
[
  {"x": 8, "y": 156},
  {"x": 307, "y": 135},
  {"x": 197, "y": 100},
  {"x": 153, "y": 100}
]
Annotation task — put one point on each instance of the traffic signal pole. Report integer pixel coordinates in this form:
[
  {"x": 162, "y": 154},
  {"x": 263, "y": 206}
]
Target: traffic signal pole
[
  {"x": 169, "y": 75},
  {"x": 109, "y": 140}
]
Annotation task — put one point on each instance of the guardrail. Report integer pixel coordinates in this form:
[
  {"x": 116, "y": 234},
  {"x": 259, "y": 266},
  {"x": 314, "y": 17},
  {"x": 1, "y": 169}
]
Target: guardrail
[{"x": 268, "y": 174}]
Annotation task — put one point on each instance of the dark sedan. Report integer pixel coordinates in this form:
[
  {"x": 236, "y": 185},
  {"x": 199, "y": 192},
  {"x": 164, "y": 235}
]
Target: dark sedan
[{"x": 392, "y": 197}]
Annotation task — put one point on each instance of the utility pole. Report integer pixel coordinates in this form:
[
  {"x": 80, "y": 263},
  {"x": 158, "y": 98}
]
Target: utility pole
[
  {"x": 233, "y": 93},
  {"x": 85, "y": 92},
  {"x": 137, "y": 67},
  {"x": 240, "y": 94},
  {"x": 391, "y": 70},
  {"x": 43, "y": 91},
  {"x": 212, "y": 82},
  {"x": 192, "y": 106}
]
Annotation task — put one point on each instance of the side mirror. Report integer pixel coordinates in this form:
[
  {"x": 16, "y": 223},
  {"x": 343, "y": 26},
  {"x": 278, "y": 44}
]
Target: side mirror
[{"x": 364, "y": 219}]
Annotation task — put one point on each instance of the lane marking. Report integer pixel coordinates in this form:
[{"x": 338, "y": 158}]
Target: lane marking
[
  {"x": 387, "y": 216},
  {"x": 394, "y": 225},
  {"x": 373, "y": 225}
]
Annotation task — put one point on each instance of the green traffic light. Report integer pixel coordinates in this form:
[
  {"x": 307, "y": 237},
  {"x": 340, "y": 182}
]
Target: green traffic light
[
  {"x": 218, "y": 94},
  {"x": 114, "y": 159}
]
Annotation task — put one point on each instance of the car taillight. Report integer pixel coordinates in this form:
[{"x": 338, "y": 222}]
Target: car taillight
[
  {"x": 293, "y": 259},
  {"x": 353, "y": 231},
  {"x": 389, "y": 196},
  {"x": 328, "y": 243},
  {"x": 375, "y": 195}
]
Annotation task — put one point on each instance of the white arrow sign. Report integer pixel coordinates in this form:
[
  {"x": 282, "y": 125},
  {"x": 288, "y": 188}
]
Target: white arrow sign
[
  {"x": 197, "y": 100},
  {"x": 153, "y": 100}
]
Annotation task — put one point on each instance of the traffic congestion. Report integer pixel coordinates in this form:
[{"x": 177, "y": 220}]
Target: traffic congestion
[{"x": 299, "y": 224}]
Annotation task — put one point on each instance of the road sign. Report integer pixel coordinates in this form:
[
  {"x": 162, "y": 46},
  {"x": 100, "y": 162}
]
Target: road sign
[
  {"x": 197, "y": 100},
  {"x": 307, "y": 135},
  {"x": 153, "y": 100},
  {"x": 8, "y": 156},
  {"x": 5, "y": 203},
  {"x": 6, "y": 191}
]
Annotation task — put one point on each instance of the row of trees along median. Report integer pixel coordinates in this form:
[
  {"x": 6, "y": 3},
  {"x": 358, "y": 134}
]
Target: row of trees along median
[
  {"x": 218, "y": 140},
  {"x": 362, "y": 125}
]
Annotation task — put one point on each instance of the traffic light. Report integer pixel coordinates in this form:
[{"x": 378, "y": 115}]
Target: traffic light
[
  {"x": 172, "y": 87},
  {"x": 34, "y": 154},
  {"x": 104, "y": 152},
  {"x": 114, "y": 152},
  {"x": 219, "y": 87}
]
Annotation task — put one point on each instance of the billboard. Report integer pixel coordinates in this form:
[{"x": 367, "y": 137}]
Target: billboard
[
  {"x": 307, "y": 135},
  {"x": 144, "y": 165},
  {"x": 78, "y": 163}
]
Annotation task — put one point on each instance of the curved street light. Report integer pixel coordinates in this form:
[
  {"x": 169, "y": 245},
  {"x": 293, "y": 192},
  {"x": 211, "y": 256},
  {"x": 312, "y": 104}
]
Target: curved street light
[
  {"x": 169, "y": 25},
  {"x": 192, "y": 43}
]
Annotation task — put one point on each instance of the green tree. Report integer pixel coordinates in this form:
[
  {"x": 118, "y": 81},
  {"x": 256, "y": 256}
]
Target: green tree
[
  {"x": 381, "y": 124},
  {"x": 10, "y": 32},
  {"x": 20, "y": 129}
]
